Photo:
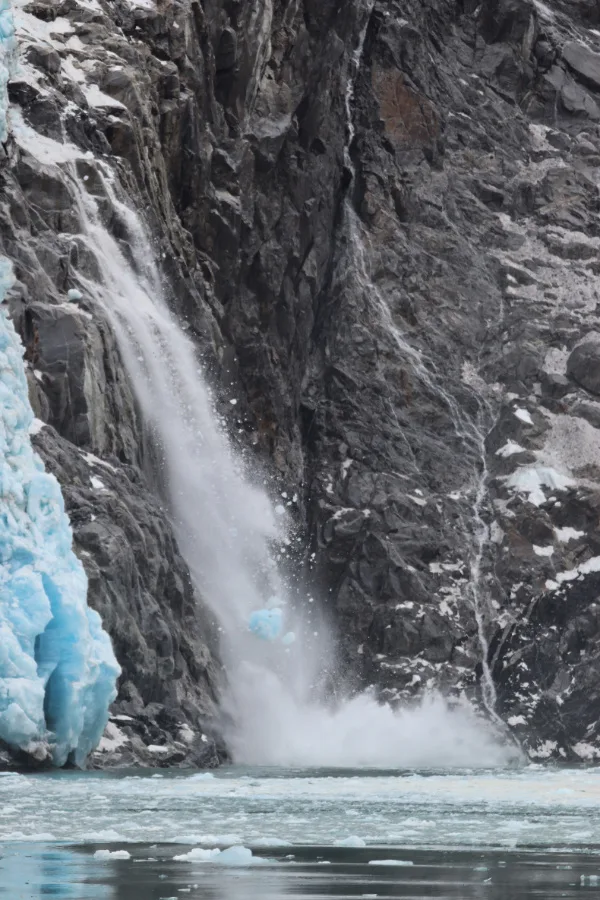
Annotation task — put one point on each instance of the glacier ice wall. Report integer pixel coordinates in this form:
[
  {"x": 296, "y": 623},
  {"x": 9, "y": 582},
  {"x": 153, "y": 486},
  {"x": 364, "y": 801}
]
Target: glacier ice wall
[
  {"x": 7, "y": 51},
  {"x": 57, "y": 666}
]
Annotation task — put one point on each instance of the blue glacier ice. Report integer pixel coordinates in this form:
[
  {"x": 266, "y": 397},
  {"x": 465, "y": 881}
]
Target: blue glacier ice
[
  {"x": 57, "y": 667},
  {"x": 7, "y": 56},
  {"x": 266, "y": 623}
]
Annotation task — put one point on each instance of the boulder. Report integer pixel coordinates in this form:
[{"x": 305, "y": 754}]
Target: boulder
[
  {"x": 583, "y": 365},
  {"x": 583, "y": 62}
]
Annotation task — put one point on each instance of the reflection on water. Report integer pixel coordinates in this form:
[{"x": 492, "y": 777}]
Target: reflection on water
[{"x": 36, "y": 871}]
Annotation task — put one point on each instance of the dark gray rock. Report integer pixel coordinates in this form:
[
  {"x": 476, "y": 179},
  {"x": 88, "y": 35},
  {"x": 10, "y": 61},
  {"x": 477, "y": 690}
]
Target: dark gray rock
[
  {"x": 584, "y": 62},
  {"x": 583, "y": 365}
]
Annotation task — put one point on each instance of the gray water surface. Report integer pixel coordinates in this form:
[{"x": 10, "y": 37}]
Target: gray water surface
[{"x": 501, "y": 835}]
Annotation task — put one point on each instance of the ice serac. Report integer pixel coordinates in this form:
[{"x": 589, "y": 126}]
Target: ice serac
[
  {"x": 7, "y": 49},
  {"x": 57, "y": 668}
]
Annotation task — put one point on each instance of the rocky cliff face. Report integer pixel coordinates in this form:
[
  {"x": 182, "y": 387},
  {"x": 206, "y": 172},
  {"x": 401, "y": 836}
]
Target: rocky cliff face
[{"x": 380, "y": 222}]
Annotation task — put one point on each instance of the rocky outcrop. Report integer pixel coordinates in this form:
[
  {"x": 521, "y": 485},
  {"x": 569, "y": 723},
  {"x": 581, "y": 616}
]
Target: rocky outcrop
[{"x": 379, "y": 222}]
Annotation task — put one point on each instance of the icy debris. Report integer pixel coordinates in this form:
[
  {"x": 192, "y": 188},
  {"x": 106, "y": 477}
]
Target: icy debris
[
  {"x": 509, "y": 449},
  {"x": 92, "y": 460},
  {"x": 543, "y": 551},
  {"x": 524, "y": 416},
  {"x": 586, "y": 568},
  {"x": 96, "y": 97},
  {"x": 210, "y": 840},
  {"x": 112, "y": 739},
  {"x": 74, "y": 294},
  {"x": 390, "y": 862},
  {"x": 544, "y": 750},
  {"x": 7, "y": 61},
  {"x": 352, "y": 841},
  {"x": 186, "y": 734},
  {"x": 44, "y": 149},
  {"x": 112, "y": 854},
  {"x": 232, "y": 856},
  {"x": 531, "y": 480},
  {"x": 568, "y": 534},
  {"x": 57, "y": 666},
  {"x": 266, "y": 623},
  {"x": 544, "y": 11}
]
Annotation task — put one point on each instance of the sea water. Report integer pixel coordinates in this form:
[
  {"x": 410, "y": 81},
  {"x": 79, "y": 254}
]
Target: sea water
[{"x": 531, "y": 832}]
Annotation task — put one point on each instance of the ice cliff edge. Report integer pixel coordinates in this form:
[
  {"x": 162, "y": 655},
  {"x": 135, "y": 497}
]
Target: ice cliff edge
[{"x": 57, "y": 667}]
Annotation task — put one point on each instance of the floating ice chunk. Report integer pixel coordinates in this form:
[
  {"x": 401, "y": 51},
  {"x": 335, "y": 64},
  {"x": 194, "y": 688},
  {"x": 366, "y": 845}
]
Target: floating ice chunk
[
  {"x": 57, "y": 666},
  {"x": 236, "y": 856},
  {"x": 391, "y": 862},
  {"x": 74, "y": 294},
  {"x": 112, "y": 854},
  {"x": 517, "y": 720},
  {"x": 209, "y": 840},
  {"x": 266, "y": 623},
  {"x": 268, "y": 841},
  {"x": 586, "y": 751},
  {"x": 352, "y": 841}
]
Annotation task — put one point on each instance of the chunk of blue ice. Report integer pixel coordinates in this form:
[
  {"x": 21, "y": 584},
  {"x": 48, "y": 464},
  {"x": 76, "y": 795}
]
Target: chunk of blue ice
[
  {"x": 57, "y": 667},
  {"x": 266, "y": 623}
]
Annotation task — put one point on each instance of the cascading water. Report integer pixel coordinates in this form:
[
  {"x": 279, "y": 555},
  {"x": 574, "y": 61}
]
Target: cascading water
[{"x": 228, "y": 531}]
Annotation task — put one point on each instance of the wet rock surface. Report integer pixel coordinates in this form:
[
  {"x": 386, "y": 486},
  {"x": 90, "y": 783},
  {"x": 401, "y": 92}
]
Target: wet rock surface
[{"x": 400, "y": 301}]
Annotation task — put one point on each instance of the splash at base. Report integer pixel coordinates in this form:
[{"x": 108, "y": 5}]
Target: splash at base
[{"x": 57, "y": 666}]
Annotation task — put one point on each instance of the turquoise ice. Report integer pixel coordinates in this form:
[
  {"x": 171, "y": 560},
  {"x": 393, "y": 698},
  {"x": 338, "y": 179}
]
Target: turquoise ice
[
  {"x": 7, "y": 54},
  {"x": 57, "y": 667}
]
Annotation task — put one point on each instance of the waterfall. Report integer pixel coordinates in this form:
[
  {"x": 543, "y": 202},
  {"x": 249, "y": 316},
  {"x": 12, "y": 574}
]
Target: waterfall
[{"x": 230, "y": 535}]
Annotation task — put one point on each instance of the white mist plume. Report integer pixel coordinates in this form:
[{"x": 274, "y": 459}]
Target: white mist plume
[{"x": 358, "y": 732}]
